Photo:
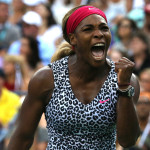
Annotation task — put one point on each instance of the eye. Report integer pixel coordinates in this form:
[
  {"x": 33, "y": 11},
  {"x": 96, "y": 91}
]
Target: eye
[
  {"x": 105, "y": 28},
  {"x": 87, "y": 29}
]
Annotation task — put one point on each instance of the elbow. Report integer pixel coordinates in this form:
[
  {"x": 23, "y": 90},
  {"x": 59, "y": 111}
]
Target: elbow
[
  {"x": 20, "y": 141},
  {"x": 127, "y": 142}
]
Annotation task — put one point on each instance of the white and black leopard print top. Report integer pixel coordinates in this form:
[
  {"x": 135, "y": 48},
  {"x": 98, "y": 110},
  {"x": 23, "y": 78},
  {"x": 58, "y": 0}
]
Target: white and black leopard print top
[{"x": 73, "y": 125}]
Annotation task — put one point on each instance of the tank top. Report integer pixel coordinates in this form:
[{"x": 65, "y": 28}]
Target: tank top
[{"x": 73, "y": 125}]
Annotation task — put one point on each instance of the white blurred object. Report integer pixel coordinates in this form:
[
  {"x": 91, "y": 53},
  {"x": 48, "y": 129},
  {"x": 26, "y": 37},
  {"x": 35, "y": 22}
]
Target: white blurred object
[
  {"x": 32, "y": 18},
  {"x": 138, "y": 4},
  {"x": 59, "y": 10},
  {"x": 33, "y": 2},
  {"x": 84, "y": 2},
  {"x": 18, "y": 78}
]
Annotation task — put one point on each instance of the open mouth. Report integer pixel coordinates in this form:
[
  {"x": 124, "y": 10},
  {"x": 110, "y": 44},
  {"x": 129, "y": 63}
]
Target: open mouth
[{"x": 98, "y": 51}]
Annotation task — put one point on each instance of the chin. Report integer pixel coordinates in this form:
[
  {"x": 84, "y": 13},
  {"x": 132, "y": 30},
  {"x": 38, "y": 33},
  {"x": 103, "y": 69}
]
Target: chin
[{"x": 99, "y": 63}]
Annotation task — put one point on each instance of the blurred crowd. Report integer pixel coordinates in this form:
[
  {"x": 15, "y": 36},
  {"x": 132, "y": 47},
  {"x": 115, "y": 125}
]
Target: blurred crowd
[{"x": 30, "y": 31}]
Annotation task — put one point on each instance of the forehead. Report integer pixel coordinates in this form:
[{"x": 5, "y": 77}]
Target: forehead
[
  {"x": 26, "y": 25},
  {"x": 92, "y": 19},
  {"x": 125, "y": 21}
]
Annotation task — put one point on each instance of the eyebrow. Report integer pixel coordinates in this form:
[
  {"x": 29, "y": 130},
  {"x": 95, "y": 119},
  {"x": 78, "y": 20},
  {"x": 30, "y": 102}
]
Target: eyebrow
[{"x": 89, "y": 25}]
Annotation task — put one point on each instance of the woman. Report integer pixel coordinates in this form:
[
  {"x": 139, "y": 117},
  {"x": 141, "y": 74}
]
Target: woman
[
  {"x": 30, "y": 52},
  {"x": 140, "y": 48},
  {"x": 16, "y": 74},
  {"x": 125, "y": 30},
  {"x": 49, "y": 31},
  {"x": 78, "y": 93},
  {"x": 144, "y": 78}
]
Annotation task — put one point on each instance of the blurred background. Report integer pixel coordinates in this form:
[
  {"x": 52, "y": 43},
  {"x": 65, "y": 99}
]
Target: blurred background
[{"x": 30, "y": 31}]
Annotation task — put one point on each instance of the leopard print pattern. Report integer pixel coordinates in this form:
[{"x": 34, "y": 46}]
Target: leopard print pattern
[{"x": 73, "y": 125}]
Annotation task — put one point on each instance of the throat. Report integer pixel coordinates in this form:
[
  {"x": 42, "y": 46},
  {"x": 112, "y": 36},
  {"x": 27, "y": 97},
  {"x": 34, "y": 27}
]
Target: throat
[
  {"x": 97, "y": 54},
  {"x": 85, "y": 72}
]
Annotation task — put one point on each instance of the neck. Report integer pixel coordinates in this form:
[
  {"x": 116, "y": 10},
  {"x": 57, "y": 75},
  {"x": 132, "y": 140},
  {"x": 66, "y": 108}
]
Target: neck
[{"x": 86, "y": 72}]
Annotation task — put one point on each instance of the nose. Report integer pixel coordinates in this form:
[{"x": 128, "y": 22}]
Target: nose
[{"x": 98, "y": 33}]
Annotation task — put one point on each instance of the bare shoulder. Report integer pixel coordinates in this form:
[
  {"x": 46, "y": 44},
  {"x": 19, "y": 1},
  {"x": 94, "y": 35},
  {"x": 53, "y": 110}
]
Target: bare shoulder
[
  {"x": 135, "y": 84},
  {"x": 41, "y": 84}
]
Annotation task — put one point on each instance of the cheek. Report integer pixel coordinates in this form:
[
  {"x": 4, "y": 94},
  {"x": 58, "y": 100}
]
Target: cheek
[
  {"x": 26, "y": 30},
  {"x": 83, "y": 41},
  {"x": 24, "y": 49},
  {"x": 108, "y": 39}
]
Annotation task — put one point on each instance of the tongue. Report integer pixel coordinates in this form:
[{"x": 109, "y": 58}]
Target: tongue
[{"x": 97, "y": 53}]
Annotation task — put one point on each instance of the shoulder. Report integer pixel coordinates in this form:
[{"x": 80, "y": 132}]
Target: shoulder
[
  {"x": 41, "y": 84},
  {"x": 41, "y": 77},
  {"x": 60, "y": 61}
]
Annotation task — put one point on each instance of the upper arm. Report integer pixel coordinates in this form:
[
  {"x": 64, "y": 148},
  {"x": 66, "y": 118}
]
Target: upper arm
[
  {"x": 39, "y": 92},
  {"x": 135, "y": 84}
]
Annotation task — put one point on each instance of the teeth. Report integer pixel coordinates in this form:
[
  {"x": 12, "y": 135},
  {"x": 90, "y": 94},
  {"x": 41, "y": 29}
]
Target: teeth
[{"x": 99, "y": 44}]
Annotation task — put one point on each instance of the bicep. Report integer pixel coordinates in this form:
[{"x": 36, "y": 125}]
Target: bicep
[
  {"x": 29, "y": 116},
  {"x": 39, "y": 93},
  {"x": 27, "y": 123}
]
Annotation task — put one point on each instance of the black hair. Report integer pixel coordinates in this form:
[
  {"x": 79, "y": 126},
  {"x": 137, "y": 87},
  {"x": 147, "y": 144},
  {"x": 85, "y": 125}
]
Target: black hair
[
  {"x": 64, "y": 22},
  {"x": 144, "y": 38},
  {"x": 33, "y": 58},
  {"x": 133, "y": 25},
  {"x": 67, "y": 2},
  {"x": 2, "y": 73},
  {"x": 50, "y": 18}
]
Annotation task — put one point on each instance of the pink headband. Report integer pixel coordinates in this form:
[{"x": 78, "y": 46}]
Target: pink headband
[{"x": 78, "y": 15}]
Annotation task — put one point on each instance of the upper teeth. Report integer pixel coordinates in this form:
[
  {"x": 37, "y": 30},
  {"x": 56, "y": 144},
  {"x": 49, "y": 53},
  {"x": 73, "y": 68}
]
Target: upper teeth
[{"x": 99, "y": 44}]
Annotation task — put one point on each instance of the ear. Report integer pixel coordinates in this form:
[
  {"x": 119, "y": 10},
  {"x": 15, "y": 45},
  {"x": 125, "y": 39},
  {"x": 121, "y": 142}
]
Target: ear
[{"x": 72, "y": 38}]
